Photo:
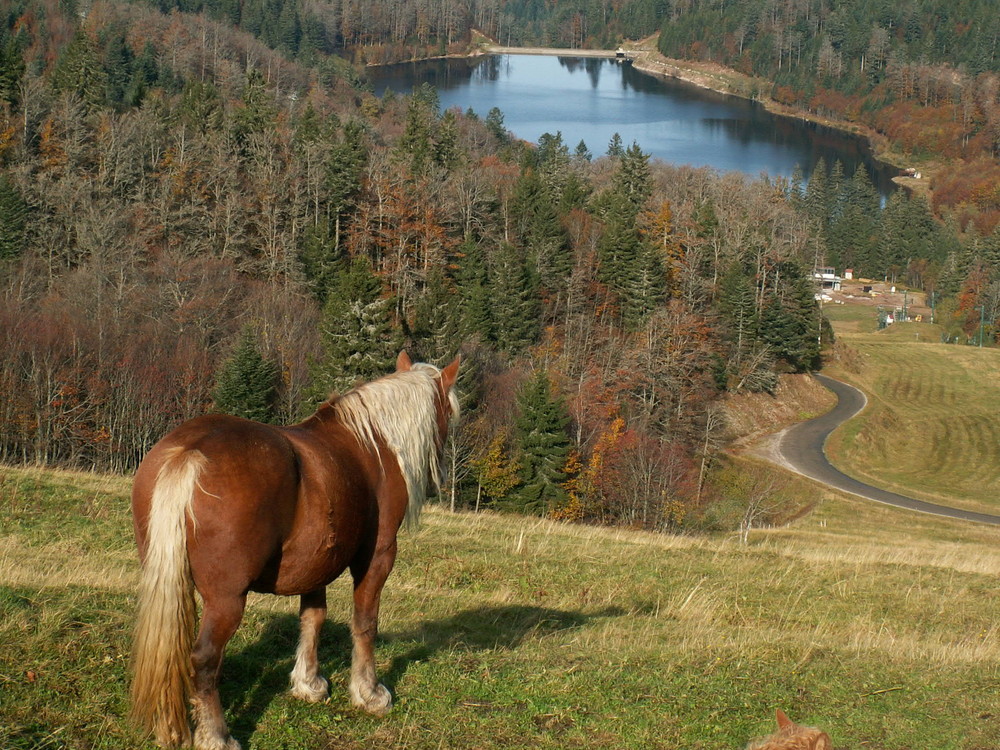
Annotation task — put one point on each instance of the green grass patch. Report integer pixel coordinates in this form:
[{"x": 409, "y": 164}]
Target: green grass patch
[
  {"x": 932, "y": 426},
  {"x": 851, "y": 318},
  {"x": 501, "y": 631}
]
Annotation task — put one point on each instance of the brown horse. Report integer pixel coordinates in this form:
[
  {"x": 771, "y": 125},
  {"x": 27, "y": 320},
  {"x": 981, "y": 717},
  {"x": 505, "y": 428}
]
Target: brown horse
[
  {"x": 227, "y": 506},
  {"x": 790, "y": 736}
]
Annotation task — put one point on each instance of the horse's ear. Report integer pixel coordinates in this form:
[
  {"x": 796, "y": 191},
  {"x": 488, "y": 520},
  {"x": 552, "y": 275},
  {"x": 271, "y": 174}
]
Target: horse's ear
[
  {"x": 449, "y": 374},
  {"x": 403, "y": 362},
  {"x": 783, "y": 721}
]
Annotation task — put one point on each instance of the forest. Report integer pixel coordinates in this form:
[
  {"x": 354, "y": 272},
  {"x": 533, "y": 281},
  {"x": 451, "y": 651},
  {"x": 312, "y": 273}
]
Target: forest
[
  {"x": 925, "y": 74},
  {"x": 194, "y": 217}
]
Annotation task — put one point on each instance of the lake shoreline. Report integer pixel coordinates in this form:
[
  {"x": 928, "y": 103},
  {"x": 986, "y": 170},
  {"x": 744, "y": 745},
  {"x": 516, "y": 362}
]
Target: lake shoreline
[{"x": 646, "y": 58}]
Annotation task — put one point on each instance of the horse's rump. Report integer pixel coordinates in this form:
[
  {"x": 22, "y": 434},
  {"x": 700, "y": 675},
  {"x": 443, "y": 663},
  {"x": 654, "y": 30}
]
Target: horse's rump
[{"x": 224, "y": 506}]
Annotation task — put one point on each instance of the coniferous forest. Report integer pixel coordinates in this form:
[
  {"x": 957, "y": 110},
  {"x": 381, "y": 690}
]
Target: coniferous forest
[{"x": 202, "y": 207}]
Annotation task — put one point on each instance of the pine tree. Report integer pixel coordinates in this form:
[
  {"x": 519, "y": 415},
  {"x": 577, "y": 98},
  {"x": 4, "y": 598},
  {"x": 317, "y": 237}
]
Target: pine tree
[
  {"x": 542, "y": 448},
  {"x": 247, "y": 383},
  {"x": 497, "y": 471}
]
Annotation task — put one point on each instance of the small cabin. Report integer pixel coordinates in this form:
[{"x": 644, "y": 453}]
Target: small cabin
[{"x": 620, "y": 52}]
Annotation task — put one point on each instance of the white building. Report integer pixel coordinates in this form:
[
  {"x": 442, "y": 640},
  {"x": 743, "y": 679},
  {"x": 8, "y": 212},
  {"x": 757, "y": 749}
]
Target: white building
[{"x": 827, "y": 278}]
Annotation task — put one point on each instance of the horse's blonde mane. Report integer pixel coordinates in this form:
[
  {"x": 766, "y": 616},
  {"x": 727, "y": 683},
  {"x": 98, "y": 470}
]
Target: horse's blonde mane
[{"x": 401, "y": 409}]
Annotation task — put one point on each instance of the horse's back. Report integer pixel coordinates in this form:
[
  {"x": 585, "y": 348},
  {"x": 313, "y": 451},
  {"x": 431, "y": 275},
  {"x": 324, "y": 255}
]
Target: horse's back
[
  {"x": 245, "y": 496},
  {"x": 274, "y": 509}
]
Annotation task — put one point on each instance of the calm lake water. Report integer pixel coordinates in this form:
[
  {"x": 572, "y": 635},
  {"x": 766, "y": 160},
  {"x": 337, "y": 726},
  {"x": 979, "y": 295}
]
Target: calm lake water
[{"x": 590, "y": 99}]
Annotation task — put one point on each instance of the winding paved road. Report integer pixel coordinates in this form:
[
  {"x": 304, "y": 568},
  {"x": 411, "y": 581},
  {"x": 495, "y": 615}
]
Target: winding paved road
[{"x": 800, "y": 448}]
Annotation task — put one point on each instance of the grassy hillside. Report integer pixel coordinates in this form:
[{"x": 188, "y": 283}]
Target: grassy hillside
[
  {"x": 878, "y": 626},
  {"x": 932, "y": 426}
]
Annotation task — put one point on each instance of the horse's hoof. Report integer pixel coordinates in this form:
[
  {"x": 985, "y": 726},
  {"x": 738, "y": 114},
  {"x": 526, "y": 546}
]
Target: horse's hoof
[
  {"x": 377, "y": 701},
  {"x": 312, "y": 691}
]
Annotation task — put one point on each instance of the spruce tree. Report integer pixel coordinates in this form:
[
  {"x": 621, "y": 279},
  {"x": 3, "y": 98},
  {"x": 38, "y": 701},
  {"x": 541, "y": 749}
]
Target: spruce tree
[
  {"x": 633, "y": 179},
  {"x": 118, "y": 60},
  {"x": 476, "y": 316},
  {"x": 494, "y": 124},
  {"x": 145, "y": 74},
  {"x": 516, "y": 305},
  {"x": 79, "y": 71},
  {"x": 615, "y": 148},
  {"x": 11, "y": 68},
  {"x": 853, "y": 232},
  {"x": 738, "y": 306},
  {"x": 13, "y": 219},
  {"x": 360, "y": 339},
  {"x": 415, "y": 143},
  {"x": 246, "y": 385},
  {"x": 256, "y": 116},
  {"x": 789, "y": 322},
  {"x": 437, "y": 318},
  {"x": 646, "y": 284},
  {"x": 542, "y": 447},
  {"x": 629, "y": 264},
  {"x": 342, "y": 180},
  {"x": 747, "y": 365},
  {"x": 446, "y": 152},
  {"x": 541, "y": 233},
  {"x": 817, "y": 197}
]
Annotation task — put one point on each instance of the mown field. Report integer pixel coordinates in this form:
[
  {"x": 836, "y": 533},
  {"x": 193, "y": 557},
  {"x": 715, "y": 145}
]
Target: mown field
[
  {"x": 877, "y": 625},
  {"x": 932, "y": 425}
]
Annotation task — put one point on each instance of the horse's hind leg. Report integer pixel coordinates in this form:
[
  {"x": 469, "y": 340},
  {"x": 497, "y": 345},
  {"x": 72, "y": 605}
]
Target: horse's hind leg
[
  {"x": 366, "y": 691},
  {"x": 307, "y": 683},
  {"x": 220, "y": 618}
]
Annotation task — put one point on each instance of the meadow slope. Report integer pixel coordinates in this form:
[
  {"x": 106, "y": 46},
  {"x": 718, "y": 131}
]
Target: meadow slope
[
  {"x": 931, "y": 429},
  {"x": 877, "y": 625}
]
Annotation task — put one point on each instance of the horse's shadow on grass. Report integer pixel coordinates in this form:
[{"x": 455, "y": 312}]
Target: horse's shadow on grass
[{"x": 256, "y": 674}]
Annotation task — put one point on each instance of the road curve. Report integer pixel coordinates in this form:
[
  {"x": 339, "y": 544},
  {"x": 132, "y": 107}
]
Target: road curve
[{"x": 801, "y": 449}]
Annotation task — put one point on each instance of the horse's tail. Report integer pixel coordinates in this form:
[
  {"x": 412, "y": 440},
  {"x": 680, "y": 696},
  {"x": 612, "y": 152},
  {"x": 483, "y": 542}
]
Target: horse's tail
[{"x": 164, "y": 629}]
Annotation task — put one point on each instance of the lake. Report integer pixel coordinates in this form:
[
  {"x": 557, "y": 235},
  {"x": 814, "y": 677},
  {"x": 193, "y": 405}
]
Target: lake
[{"x": 590, "y": 99}]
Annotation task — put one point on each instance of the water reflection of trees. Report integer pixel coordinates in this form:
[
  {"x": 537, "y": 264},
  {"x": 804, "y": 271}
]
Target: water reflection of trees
[{"x": 747, "y": 122}]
